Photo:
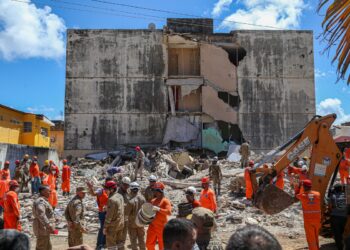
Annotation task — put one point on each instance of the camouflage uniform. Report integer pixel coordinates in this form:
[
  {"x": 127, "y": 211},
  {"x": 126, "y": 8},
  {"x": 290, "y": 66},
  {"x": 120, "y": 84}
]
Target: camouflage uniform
[
  {"x": 74, "y": 215},
  {"x": 148, "y": 194},
  {"x": 244, "y": 150},
  {"x": 24, "y": 165},
  {"x": 140, "y": 155},
  {"x": 126, "y": 213},
  {"x": 216, "y": 175},
  {"x": 114, "y": 222},
  {"x": 136, "y": 234},
  {"x": 42, "y": 213}
]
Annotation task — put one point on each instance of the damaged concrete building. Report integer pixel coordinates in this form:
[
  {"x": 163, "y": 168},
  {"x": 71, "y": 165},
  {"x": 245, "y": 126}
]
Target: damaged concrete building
[{"x": 187, "y": 86}]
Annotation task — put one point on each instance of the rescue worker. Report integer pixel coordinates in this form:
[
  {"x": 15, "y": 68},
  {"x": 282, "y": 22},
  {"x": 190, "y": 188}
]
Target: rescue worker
[
  {"x": 278, "y": 180},
  {"x": 25, "y": 164},
  {"x": 42, "y": 224},
  {"x": 4, "y": 188},
  {"x": 140, "y": 158},
  {"x": 12, "y": 213},
  {"x": 66, "y": 173},
  {"x": 57, "y": 171},
  {"x": 102, "y": 200},
  {"x": 344, "y": 166},
  {"x": 136, "y": 233},
  {"x": 244, "y": 151},
  {"x": 51, "y": 181},
  {"x": 302, "y": 173},
  {"x": 46, "y": 167},
  {"x": 34, "y": 172},
  {"x": 311, "y": 205},
  {"x": 248, "y": 181},
  {"x": 6, "y": 170},
  {"x": 162, "y": 207},
  {"x": 123, "y": 191},
  {"x": 215, "y": 175},
  {"x": 190, "y": 197},
  {"x": 207, "y": 198},
  {"x": 148, "y": 193},
  {"x": 114, "y": 222},
  {"x": 74, "y": 214}
]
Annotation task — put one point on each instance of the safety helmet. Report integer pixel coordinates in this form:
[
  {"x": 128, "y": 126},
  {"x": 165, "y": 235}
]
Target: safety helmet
[
  {"x": 205, "y": 180},
  {"x": 215, "y": 158},
  {"x": 307, "y": 183},
  {"x": 159, "y": 186},
  {"x": 7, "y": 163},
  {"x": 46, "y": 162},
  {"x": 191, "y": 190},
  {"x": 26, "y": 156},
  {"x": 137, "y": 148},
  {"x": 35, "y": 157},
  {"x": 134, "y": 185},
  {"x": 51, "y": 161},
  {"x": 64, "y": 161},
  {"x": 152, "y": 178},
  {"x": 305, "y": 158},
  {"x": 110, "y": 184},
  {"x": 251, "y": 163},
  {"x": 17, "y": 162},
  {"x": 301, "y": 163},
  {"x": 13, "y": 183},
  {"x": 304, "y": 168},
  {"x": 126, "y": 180}
]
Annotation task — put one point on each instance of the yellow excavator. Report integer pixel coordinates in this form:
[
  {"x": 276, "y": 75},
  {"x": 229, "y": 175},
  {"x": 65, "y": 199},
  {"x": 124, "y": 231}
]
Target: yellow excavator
[{"x": 325, "y": 156}]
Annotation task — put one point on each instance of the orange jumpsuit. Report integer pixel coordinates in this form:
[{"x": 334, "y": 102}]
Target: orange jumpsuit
[
  {"x": 155, "y": 229},
  {"x": 34, "y": 170},
  {"x": 310, "y": 201},
  {"x": 303, "y": 175},
  {"x": 4, "y": 187},
  {"x": 344, "y": 170},
  {"x": 5, "y": 171},
  {"x": 66, "y": 178},
  {"x": 207, "y": 199},
  {"x": 53, "y": 194},
  {"x": 248, "y": 184},
  {"x": 11, "y": 211}
]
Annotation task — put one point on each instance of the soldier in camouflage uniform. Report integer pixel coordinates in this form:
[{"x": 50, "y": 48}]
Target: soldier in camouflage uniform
[
  {"x": 204, "y": 220},
  {"x": 24, "y": 165},
  {"x": 74, "y": 215},
  {"x": 215, "y": 175},
  {"x": 244, "y": 150},
  {"x": 123, "y": 191},
  {"x": 42, "y": 224},
  {"x": 140, "y": 158}
]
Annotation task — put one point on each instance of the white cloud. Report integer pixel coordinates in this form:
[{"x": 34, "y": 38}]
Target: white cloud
[
  {"x": 282, "y": 14},
  {"x": 220, "y": 6},
  {"x": 40, "y": 109},
  {"x": 333, "y": 105},
  {"x": 27, "y": 31},
  {"x": 319, "y": 73}
]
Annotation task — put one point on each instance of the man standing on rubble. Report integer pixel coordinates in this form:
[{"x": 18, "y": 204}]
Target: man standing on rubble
[
  {"x": 215, "y": 175},
  {"x": 114, "y": 222},
  {"x": 12, "y": 213},
  {"x": 148, "y": 193},
  {"x": 140, "y": 158},
  {"x": 244, "y": 150},
  {"x": 66, "y": 173},
  {"x": 34, "y": 171},
  {"x": 207, "y": 198},
  {"x": 25, "y": 164},
  {"x": 162, "y": 207},
  {"x": 136, "y": 233},
  {"x": 74, "y": 215},
  {"x": 123, "y": 191},
  {"x": 311, "y": 204},
  {"x": 43, "y": 214}
]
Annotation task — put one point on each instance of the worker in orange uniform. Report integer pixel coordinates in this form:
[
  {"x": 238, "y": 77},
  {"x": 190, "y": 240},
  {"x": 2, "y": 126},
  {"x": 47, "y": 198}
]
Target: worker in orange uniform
[
  {"x": 12, "y": 212},
  {"x": 207, "y": 198},
  {"x": 344, "y": 169},
  {"x": 4, "y": 188},
  {"x": 52, "y": 183},
  {"x": 34, "y": 171},
  {"x": 6, "y": 170},
  {"x": 278, "y": 180},
  {"x": 162, "y": 207},
  {"x": 248, "y": 181},
  {"x": 311, "y": 204},
  {"x": 65, "y": 178},
  {"x": 57, "y": 171},
  {"x": 302, "y": 173}
]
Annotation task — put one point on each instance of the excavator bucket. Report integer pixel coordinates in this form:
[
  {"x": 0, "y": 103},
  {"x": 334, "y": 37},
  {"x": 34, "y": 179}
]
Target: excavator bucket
[{"x": 273, "y": 200}]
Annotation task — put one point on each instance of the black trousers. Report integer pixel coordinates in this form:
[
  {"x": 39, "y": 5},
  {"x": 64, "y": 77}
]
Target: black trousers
[{"x": 338, "y": 225}]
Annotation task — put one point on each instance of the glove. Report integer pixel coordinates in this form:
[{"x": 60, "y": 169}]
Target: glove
[{"x": 156, "y": 209}]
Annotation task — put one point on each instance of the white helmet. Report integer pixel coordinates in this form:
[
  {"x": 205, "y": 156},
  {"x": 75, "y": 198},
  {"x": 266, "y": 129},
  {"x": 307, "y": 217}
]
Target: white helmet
[
  {"x": 191, "y": 190},
  {"x": 126, "y": 180},
  {"x": 152, "y": 178},
  {"x": 301, "y": 163},
  {"x": 134, "y": 185},
  {"x": 304, "y": 168}
]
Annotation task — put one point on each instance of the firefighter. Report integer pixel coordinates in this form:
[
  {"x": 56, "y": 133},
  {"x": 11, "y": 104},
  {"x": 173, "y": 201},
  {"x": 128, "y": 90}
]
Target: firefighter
[
  {"x": 123, "y": 191},
  {"x": 162, "y": 207},
  {"x": 302, "y": 173},
  {"x": 74, "y": 214},
  {"x": 244, "y": 150},
  {"x": 46, "y": 167},
  {"x": 114, "y": 222},
  {"x": 136, "y": 233},
  {"x": 66, "y": 173},
  {"x": 215, "y": 175},
  {"x": 148, "y": 193},
  {"x": 140, "y": 157},
  {"x": 34, "y": 172},
  {"x": 190, "y": 197},
  {"x": 248, "y": 181},
  {"x": 51, "y": 181},
  {"x": 311, "y": 205},
  {"x": 344, "y": 169},
  {"x": 43, "y": 214},
  {"x": 278, "y": 180},
  {"x": 12, "y": 213},
  {"x": 4, "y": 188},
  {"x": 6, "y": 170},
  {"x": 207, "y": 198}
]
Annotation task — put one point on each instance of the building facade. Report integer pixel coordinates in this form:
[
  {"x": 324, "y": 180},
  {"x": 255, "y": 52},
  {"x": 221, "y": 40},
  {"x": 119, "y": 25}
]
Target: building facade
[
  {"x": 187, "y": 86},
  {"x": 57, "y": 137}
]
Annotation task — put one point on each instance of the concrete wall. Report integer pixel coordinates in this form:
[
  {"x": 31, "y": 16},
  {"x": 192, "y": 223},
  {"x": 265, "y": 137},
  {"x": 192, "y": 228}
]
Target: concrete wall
[
  {"x": 276, "y": 85},
  {"x": 115, "y": 92}
]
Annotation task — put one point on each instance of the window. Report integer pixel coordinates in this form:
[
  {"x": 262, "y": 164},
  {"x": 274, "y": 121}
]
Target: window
[
  {"x": 184, "y": 62},
  {"x": 27, "y": 127},
  {"x": 14, "y": 121},
  {"x": 44, "y": 131}
]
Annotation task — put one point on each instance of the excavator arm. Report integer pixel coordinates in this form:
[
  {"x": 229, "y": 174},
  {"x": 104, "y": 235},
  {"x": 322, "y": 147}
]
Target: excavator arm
[{"x": 324, "y": 159}]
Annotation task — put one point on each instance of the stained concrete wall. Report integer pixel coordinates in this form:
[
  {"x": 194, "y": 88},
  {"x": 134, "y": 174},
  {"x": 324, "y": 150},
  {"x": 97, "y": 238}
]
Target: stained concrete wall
[
  {"x": 115, "y": 92},
  {"x": 276, "y": 85}
]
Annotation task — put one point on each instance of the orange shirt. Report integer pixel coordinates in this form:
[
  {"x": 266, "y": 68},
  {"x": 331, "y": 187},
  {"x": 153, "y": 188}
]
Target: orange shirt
[
  {"x": 102, "y": 200},
  {"x": 57, "y": 170},
  {"x": 311, "y": 203},
  {"x": 66, "y": 173},
  {"x": 208, "y": 200},
  {"x": 34, "y": 170},
  {"x": 161, "y": 217},
  {"x": 4, "y": 187},
  {"x": 302, "y": 175},
  {"x": 195, "y": 204},
  {"x": 51, "y": 181},
  {"x": 11, "y": 204},
  {"x": 7, "y": 171},
  {"x": 344, "y": 166}
]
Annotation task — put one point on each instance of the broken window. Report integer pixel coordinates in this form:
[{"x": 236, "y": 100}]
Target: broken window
[
  {"x": 184, "y": 62},
  {"x": 44, "y": 131},
  {"x": 186, "y": 101},
  {"x": 231, "y": 100}
]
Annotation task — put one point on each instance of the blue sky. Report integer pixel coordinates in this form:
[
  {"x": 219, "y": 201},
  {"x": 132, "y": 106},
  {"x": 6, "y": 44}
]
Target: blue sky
[{"x": 32, "y": 41}]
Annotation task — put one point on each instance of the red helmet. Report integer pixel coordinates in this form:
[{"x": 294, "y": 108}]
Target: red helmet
[
  {"x": 205, "y": 180},
  {"x": 251, "y": 163},
  {"x": 64, "y": 161},
  {"x": 7, "y": 163},
  {"x": 159, "y": 185},
  {"x": 13, "y": 183},
  {"x": 17, "y": 162},
  {"x": 307, "y": 183},
  {"x": 51, "y": 161},
  {"x": 137, "y": 148},
  {"x": 110, "y": 184}
]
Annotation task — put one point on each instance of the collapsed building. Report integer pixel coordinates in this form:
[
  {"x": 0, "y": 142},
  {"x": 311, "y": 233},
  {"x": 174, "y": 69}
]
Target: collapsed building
[{"x": 187, "y": 86}]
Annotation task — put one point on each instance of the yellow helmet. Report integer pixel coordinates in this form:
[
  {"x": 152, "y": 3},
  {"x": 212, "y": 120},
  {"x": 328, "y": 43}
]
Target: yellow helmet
[{"x": 46, "y": 162}]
